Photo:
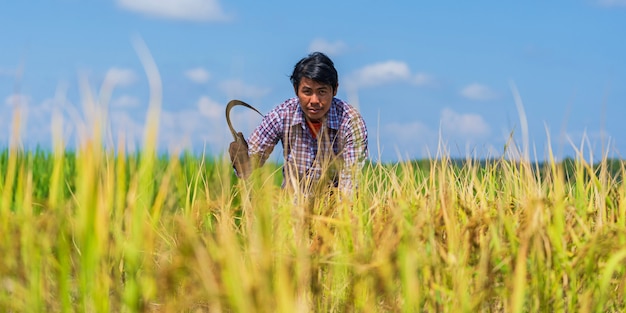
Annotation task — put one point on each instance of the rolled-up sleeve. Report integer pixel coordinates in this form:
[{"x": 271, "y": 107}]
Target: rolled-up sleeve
[
  {"x": 265, "y": 137},
  {"x": 354, "y": 150}
]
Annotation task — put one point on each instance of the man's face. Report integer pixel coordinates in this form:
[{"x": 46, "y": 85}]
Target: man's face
[{"x": 315, "y": 98}]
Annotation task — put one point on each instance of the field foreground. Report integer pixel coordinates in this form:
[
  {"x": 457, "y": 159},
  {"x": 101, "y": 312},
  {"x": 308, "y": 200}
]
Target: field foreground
[{"x": 94, "y": 231}]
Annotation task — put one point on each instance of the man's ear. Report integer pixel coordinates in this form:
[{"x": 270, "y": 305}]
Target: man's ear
[{"x": 335, "y": 90}]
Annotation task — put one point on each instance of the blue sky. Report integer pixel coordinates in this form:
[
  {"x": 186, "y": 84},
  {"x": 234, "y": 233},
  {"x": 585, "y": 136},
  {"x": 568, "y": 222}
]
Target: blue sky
[{"x": 423, "y": 74}]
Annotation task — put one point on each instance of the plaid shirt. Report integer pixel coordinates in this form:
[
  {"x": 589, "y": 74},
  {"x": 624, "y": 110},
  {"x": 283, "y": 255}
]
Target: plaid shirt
[{"x": 340, "y": 147}]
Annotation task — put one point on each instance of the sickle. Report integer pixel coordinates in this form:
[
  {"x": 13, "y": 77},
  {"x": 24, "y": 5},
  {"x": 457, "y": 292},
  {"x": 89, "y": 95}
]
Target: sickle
[{"x": 229, "y": 106}]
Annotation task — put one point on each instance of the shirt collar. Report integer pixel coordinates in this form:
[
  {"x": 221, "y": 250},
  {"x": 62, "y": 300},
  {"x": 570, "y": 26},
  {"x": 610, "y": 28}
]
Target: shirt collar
[{"x": 332, "y": 117}]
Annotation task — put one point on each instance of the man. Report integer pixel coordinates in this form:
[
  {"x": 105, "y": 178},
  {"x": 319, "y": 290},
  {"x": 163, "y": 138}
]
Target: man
[{"x": 324, "y": 139}]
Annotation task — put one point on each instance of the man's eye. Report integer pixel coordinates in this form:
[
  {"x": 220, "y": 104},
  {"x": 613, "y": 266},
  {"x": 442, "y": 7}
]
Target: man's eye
[{"x": 322, "y": 92}]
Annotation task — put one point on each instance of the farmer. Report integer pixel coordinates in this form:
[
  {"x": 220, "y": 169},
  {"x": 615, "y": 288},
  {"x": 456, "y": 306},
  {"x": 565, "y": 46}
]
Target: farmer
[{"x": 324, "y": 139}]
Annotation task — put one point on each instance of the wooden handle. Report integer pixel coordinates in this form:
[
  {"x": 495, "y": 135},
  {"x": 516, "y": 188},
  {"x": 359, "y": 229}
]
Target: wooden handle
[{"x": 229, "y": 106}]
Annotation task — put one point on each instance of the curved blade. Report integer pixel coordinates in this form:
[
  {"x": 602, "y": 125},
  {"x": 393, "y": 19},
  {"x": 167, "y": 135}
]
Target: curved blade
[{"x": 229, "y": 106}]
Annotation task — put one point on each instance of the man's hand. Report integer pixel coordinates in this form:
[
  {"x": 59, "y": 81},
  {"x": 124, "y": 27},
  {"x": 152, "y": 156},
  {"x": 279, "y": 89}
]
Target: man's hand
[{"x": 238, "y": 151}]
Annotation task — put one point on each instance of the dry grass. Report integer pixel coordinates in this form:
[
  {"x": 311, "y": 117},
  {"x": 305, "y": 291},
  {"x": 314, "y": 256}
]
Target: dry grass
[
  {"x": 499, "y": 237},
  {"x": 118, "y": 232}
]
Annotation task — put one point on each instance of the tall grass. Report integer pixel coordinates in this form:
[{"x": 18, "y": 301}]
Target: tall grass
[
  {"x": 103, "y": 230},
  {"x": 80, "y": 233}
]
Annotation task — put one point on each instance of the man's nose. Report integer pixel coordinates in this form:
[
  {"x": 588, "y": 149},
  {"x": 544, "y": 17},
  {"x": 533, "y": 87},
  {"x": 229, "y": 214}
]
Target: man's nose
[{"x": 315, "y": 98}]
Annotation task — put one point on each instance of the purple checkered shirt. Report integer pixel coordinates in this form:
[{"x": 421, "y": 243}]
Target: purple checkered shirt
[{"x": 343, "y": 138}]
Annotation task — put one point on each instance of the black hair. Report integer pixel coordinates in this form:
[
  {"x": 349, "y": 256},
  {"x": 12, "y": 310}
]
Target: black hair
[{"x": 316, "y": 66}]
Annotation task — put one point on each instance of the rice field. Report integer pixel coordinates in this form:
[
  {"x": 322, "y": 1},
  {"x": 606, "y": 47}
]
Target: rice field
[
  {"x": 101, "y": 229},
  {"x": 93, "y": 230}
]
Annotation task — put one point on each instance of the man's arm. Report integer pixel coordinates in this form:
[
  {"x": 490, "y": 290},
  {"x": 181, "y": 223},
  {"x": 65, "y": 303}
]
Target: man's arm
[
  {"x": 247, "y": 156},
  {"x": 354, "y": 152}
]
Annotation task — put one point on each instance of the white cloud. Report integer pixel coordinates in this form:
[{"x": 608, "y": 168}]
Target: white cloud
[
  {"x": 237, "y": 89},
  {"x": 463, "y": 125},
  {"x": 612, "y": 3},
  {"x": 331, "y": 48},
  {"x": 478, "y": 92},
  {"x": 122, "y": 123},
  {"x": 210, "y": 108},
  {"x": 120, "y": 77},
  {"x": 125, "y": 101},
  {"x": 198, "y": 75},
  {"x": 204, "y": 126},
  {"x": 467, "y": 131},
  {"x": 422, "y": 79},
  {"x": 215, "y": 133},
  {"x": 180, "y": 128},
  {"x": 33, "y": 119},
  {"x": 192, "y": 10},
  {"x": 407, "y": 132},
  {"x": 387, "y": 72},
  {"x": 381, "y": 73},
  {"x": 15, "y": 100},
  {"x": 405, "y": 139},
  {"x": 6, "y": 72}
]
